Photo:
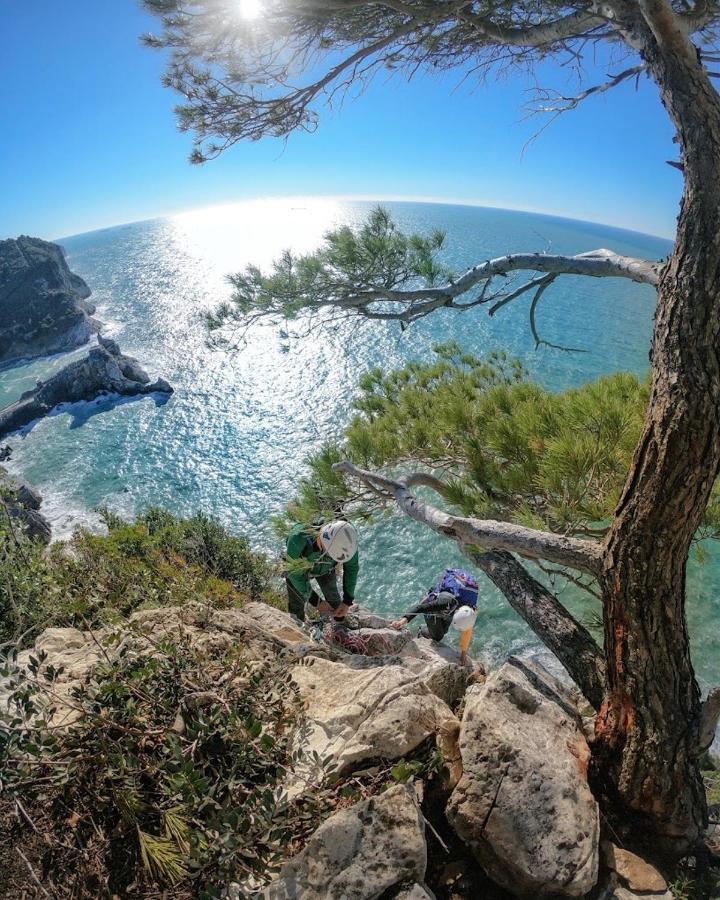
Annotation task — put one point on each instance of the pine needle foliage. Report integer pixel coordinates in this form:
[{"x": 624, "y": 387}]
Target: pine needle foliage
[
  {"x": 374, "y": 256},
  {"x": 503, "y": 446}
]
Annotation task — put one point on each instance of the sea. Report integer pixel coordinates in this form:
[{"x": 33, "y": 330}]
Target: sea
[{"x": 234, "y": 437}]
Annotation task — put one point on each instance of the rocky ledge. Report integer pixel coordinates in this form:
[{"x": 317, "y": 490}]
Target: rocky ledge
[
  {"x": 516, "y": 801},
  {"x": 43, "y": 306},
  {"x": 105, "y": 370}
]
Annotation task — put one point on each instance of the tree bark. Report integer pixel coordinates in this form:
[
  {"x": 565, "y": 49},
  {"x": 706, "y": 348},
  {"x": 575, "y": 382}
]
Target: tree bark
[{"x": 645, "y": 752}]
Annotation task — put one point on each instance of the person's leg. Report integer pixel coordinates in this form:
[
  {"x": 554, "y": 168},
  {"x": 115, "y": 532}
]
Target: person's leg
[
  {"x": 329, "y": 587},
  {"x": 296, "y": 602},
  {"x": 437, "y": 626}
]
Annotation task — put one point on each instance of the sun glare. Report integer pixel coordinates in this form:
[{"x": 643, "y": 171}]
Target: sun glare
[{"x": 250, "y": 9}]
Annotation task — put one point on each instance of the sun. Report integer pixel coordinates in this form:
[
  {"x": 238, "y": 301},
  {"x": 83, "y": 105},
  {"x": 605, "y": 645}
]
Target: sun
[{"x": 250, "y": 9}]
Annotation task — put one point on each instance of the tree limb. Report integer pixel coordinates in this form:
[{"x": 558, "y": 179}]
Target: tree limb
[
  {"x": 488, "y": 534},
  {"x": 569, "y": 641}
]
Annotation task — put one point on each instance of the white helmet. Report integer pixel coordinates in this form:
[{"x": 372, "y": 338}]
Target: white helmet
[
  {"x": 339, "y": 540},
  {"x": 464, "y": 618}
]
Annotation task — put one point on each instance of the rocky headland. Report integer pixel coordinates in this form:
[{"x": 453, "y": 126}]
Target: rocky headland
[
  {"x": 105, "y": 370},
  {"x": 43, "y": 308}
]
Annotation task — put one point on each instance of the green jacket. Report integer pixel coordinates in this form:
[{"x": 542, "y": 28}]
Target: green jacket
[{"x": 301, "y": 545}]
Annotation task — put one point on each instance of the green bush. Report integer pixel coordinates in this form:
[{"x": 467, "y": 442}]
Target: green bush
[
  {"x": 173, "y": 778},
  {"x": 93, "y": 579}
]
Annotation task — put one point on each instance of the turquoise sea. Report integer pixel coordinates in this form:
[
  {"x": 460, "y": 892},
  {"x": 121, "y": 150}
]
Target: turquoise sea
[{"x": 233, "y": 437}]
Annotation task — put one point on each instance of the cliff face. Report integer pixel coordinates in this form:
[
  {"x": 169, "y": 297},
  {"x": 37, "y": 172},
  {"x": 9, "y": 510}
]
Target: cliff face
[{"x": 42, "y": 303}]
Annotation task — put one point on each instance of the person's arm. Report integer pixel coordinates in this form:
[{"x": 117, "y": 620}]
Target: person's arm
[
  {"x": 409, "y": 616},
  {"x": 295, "y": 575},
  {"x": 350, "y": 577}
]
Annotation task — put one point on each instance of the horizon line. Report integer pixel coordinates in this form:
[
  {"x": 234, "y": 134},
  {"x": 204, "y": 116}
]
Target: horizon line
[{"x": 396, "y": 198}]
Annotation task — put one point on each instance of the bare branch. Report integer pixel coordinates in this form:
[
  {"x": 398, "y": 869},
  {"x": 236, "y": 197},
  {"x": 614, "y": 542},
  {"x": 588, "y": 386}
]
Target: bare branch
[
  {"x": 547, "y": 100},
  {"x": 583, "y": 555}
]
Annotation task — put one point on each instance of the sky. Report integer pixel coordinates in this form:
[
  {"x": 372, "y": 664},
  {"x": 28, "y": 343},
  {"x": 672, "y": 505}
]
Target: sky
[{"x": 90, "y": 139}]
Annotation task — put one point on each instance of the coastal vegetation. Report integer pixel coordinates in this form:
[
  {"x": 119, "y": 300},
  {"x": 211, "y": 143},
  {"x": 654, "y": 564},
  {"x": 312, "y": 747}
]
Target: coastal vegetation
[
  {"x": 95, "y": 579},
  {"x": 268, "y": 76},
  {"x": 144, "y": 750}
]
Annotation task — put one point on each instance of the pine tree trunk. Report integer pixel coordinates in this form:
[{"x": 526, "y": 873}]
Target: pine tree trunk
[{"x": 645, "y": 753}]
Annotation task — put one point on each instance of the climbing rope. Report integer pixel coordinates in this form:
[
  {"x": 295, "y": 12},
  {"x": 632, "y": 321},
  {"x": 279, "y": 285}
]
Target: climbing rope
[{"x": 345, "y": 636}]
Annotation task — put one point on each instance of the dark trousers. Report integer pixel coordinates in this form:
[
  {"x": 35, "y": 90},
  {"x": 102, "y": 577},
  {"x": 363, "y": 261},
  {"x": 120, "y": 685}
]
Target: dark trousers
[
  {"x": 437, "y": 626},
  {"x": 329, "y": 587}
]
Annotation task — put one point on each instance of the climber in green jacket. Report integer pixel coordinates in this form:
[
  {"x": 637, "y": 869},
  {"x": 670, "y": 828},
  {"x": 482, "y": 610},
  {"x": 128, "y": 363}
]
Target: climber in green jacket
[{"x": 318, "y": 554}]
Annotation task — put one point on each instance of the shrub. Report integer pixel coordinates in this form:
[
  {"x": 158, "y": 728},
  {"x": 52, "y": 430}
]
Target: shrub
[
  {"x": 173, "y": 778},
  {"x": 93, "y": 579}
]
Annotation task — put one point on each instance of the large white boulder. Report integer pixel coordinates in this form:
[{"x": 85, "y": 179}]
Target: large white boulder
[
  {"x": 359, "y": 853},
  {"x": 438, "y": 666},
  {"x": 358, "y": 713},
  {"x": 523, "y": 804}
]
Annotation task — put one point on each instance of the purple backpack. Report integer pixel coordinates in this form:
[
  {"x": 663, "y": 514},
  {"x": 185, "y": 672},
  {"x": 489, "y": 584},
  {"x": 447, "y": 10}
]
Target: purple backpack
[{"x": 461, "y": 584}]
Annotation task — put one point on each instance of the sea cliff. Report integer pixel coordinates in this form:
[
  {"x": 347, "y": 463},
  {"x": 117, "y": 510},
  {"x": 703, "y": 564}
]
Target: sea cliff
[{"x": 43, "y": 305}]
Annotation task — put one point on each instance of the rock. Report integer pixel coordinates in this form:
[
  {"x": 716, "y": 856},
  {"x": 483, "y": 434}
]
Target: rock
[
  {"x": 359, "y": 853},
  {"x": 22, "y": 502},
  {"x": 634, "y": 872},
  {"x": 361, "y": 713},
  {"x": 523, "y": 804},
  {"x": 416, "y": 892},
  {"x": 382, "y": 641},
  {"x": 42, "y": 303},
  {"x": 276, "y": 622},
  {"x": 100, "y": 372},
  {"x": 73, "y": 651},
  {"x": 439, "y": 668},
  {"x": 129, "y": 366},
  {"x": 367, "y": 619},
  {"x": 611, "y": 889},
  {"x": 622, "y": 893}
]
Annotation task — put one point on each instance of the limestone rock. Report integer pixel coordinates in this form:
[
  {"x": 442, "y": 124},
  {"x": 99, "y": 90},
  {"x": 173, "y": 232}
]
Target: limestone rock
[
  {"x": 76, "y": 653},
  {"x": 439, "y": 667},
  {"x": 359, "y": 853},
  {"x": 622, "y": 893},
  {"x": 359, "y": 713},
  {"x": 382, "y": 641},
  {"x": 523, "y": 804},
  {"x": 634, "y": 872},
  {"x": 42, "y": 303},
  {"x": 615, "y": 891},
  {"x": 129, "y": 366},
  {"x": 367, "y": 619},
  {"x": 416, "y": 892},
  {"x": 100, "y": 372},
  {"x": 276, "y": 622}
]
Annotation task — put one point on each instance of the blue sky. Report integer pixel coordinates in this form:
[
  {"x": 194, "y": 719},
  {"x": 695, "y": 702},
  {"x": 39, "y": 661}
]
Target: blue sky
[{"x": 90, "y": 138}]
